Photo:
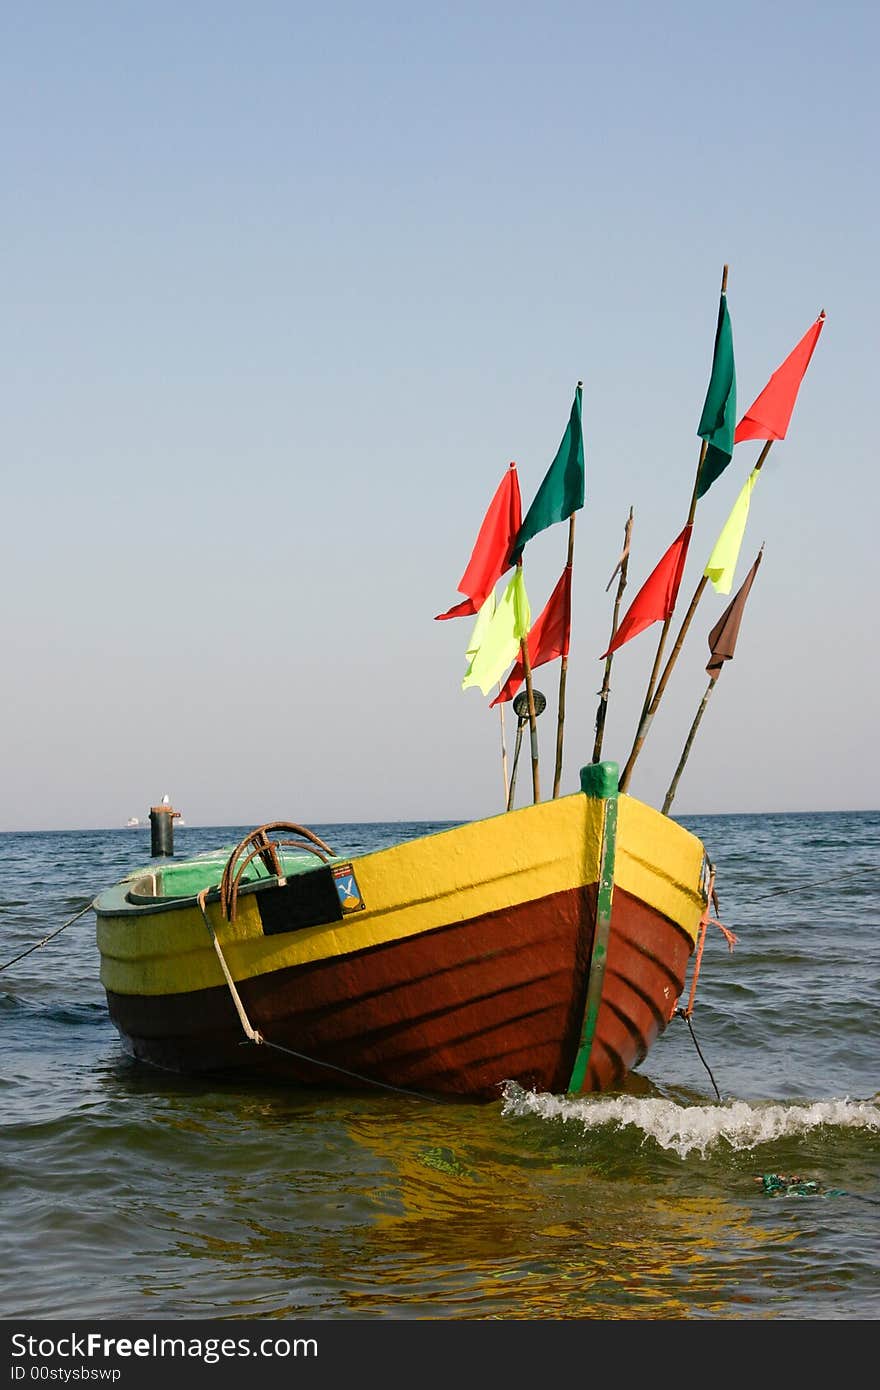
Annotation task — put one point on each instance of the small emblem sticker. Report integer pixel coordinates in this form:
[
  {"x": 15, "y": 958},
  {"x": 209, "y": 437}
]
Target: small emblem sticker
[{"x": 347, "y": 888}]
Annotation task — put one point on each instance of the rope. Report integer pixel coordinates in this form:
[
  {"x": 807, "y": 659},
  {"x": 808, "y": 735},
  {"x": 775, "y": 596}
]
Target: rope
[
  {"x": 711, "y": 898},
  {"x": 815, "y": 883},
  {"x": 686, "y": 1017},
  {"x": 251, "y": 1033},
  {"x": 369, "y": 1080},
  {"x": 253, "y": 1036},
  {"x": 731, "y": 940},
  {"x": 69, "y": 923},
  {"x": 705, "y": 920}
]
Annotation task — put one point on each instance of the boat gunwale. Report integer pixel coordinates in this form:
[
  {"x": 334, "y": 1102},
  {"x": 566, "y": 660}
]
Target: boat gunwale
[
  {"x": 121, "y": 902},
  {"x": 117, "y": 901}
]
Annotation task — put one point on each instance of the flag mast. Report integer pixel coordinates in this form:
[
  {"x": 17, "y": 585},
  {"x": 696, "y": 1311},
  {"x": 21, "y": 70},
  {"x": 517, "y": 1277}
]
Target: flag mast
[
  {"x": 503, "y": 750},
  {"x": 767, "y": 419},
  {"x": 533, "y": 723},
  {"x": 645, "y": 718},
  {"x": 651, "y": 710},
  {"x": 563, "y": 668},
  {"x": 622, "y": 566},
  {"x": 726, "y": 644},
  {"x": 560, "y": 494},
  {"x": 687, "y": 747}
]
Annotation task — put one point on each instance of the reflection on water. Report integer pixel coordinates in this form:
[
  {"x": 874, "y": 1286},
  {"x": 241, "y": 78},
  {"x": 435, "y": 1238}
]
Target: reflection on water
[{"x": 129, "y": 1193}]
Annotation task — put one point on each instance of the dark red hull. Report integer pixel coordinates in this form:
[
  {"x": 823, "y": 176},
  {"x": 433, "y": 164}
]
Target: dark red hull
[{"x": 457, "y": 1011}]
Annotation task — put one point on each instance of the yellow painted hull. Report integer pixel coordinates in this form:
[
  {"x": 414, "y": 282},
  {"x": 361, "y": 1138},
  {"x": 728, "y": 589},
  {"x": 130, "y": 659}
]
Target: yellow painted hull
[{"x": 466, "y": 963}]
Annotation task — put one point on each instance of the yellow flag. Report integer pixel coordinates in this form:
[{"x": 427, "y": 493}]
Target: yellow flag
[
  {"x": 721, "y": 565},
  {"x": 484, "y": 617},
  {"x": 501, "y": 636}
]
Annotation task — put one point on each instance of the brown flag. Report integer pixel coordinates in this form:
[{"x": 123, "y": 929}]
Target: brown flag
[{"x": 722, "y": 638}]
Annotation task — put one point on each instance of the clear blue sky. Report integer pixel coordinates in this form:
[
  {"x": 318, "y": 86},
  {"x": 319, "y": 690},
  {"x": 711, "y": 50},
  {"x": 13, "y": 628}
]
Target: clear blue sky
[{"x": 284, "y": 289}]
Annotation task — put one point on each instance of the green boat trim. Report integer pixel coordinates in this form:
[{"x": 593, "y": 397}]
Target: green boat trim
[{"x": 598, "y": 780}]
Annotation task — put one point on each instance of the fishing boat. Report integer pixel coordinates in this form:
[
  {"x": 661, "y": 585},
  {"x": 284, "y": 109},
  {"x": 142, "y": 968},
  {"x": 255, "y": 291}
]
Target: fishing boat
[{"x": 547, "y": 945}]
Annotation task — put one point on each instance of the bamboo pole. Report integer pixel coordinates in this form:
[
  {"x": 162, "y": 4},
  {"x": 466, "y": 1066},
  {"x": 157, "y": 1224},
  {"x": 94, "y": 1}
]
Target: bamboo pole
[
  {"x": 533, "y": 725},
  {"x": 649, "y": 693},
  {"x": 644, "y": 717},
  {"x": 692, "y": 511},
  {"x": 516, "y": 748},
  {"x": 503, "y": 746},
  {"x": 563, "y": 669},
  {"x": 726, "y": 643},
  {"x": 687, "y": 747},
  {"x": 622, "y": 565},
  {"x": 521, "y": 710},
  {"x": 648, "y": 714}
]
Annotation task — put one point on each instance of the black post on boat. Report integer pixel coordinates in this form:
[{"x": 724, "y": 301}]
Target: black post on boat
[
  {"x": 521, "y": 710},
  {"x": 162, "y": 820}
]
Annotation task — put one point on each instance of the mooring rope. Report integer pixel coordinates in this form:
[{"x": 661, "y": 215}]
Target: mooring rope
[
  {"x": 358, "y": 1076},
  {"x": 250, "y": 1033},
  {"x": 682, "y": 1013},
  {"x": 254, "y": 1036},
  {"x": 82, "y": 912},
  {"x": 814, "y": 883}
]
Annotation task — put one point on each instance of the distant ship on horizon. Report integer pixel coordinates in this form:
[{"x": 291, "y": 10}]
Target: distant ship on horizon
[{"x": 132, "y": 823}]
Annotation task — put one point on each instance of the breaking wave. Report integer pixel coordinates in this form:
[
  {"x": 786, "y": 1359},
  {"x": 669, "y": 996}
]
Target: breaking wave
[{"x": 687, "y": 1129}]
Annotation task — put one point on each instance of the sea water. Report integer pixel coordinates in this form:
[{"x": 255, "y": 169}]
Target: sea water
[{"x": 736, "y": 1176}]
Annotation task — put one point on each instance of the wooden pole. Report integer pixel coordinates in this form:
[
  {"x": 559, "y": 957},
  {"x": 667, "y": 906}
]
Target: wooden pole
[
  {"x": 648, "y": 714},
  {"x": 692, "y": 511},
  {"x": 649, "y": 693},
  {"x": 644, "y": 717},
  {"x": 687, "y": 747},
  {"x": 622, "y": 565},
  {"x": 563, "y": 669},
  {"x": 503, "y": 745},
  {"x": 560, "y": 721},
  {"x": 516, "y": 748},
  {"x": 533, "y": 723}
]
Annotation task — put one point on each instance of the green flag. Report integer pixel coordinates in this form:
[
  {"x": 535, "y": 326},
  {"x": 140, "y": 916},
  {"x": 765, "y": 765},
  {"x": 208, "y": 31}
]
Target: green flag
[
  {"x": 562, "y": 491},
  {"x": 500, "y": 637},
  {"x": 718, "y": 420}
]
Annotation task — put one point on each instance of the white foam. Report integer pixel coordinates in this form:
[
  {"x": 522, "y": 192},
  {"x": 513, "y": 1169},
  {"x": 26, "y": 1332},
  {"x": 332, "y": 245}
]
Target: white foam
[{"x": 684, "y": 1129}]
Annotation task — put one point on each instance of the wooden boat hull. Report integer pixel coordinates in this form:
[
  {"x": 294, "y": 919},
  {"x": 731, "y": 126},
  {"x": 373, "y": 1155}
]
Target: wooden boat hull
[{"x": 465, "y": 959}]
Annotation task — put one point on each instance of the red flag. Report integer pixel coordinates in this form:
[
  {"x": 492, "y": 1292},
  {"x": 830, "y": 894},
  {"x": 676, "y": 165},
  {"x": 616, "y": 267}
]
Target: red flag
[
  {"x": 656, "y": 598},
  {"x": 548, "y": 636},
  {"x": 769, "y": 416},
  {"x": 491, "y": 553}
]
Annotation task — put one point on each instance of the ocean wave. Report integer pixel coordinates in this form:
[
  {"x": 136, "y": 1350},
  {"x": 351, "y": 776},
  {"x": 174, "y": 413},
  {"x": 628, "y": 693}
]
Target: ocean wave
[{"x": 687, "y": 1129}]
